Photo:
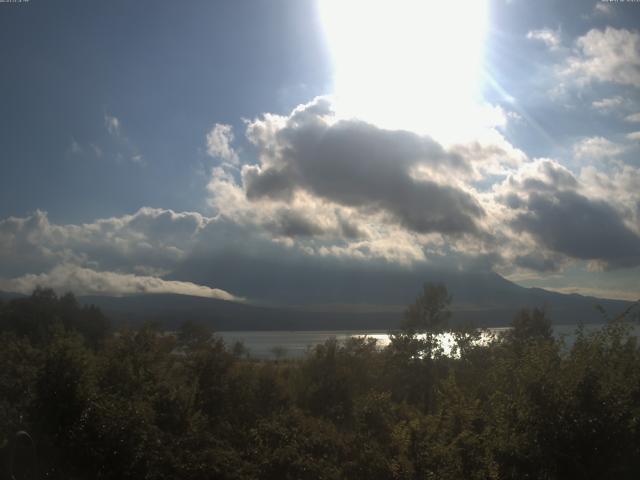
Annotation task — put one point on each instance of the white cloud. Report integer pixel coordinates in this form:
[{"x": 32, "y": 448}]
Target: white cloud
[
  {"x": 96, "y": 149},
  {"x": 75, "y": 147},
  {"x": 596, "y": 147},
  {"x": 633, "y": 118},
  {"x": 610, "y": 55},
  {"x": 609, "y": 103},
  {"x": 219, "y": 141},
  {"x": 125, "y": 148},
  {"x": 547, "y": 36},
  {"x": 603, "y": 8},
  {"x": 112, "y": 124},
  {"x": 635, "y": 136},
  {"x": 85, "y": 281},
  {"x": 617, "y": 184},
  {"x": 152, "y": 237}
]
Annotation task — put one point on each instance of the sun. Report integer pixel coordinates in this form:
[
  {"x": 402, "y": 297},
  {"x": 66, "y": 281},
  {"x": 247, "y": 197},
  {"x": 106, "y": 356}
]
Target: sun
[{"x": 407, "y": 64}]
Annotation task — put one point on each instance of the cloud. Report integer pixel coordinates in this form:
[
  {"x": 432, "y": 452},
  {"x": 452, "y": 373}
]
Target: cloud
[
  {"x": 75, "y": 148},
  {"x": 552, "y": 206},
  {"x": 112, "y": 124},
  {"x": 355, "y": 164},
  {"x": 617, "y": 184},
  {"x": 126, "y": 149},
  {"x": 219, "y": 141},
  {"x": 596, "y": 147},
  {"x": 635, "y": 136},
  {"x": 114, "y": 256},
  {"x": 85, "y": 281},
  {"x": 604, "y": 9},
  {"x": 155, "y": 238},
  {"x": 610, "y": 55},
  {"x": 343, "y": 188},
  {"x": 633, "y": 118},
  {"x": 549, "y": 37},
  {"x": 617, "y": 294},
  {"x": 606, "y": 104},
  {"x": 570, "y": 223}
]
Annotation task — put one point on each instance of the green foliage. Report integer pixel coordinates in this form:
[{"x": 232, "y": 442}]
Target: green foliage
[
  {"x": 142, "y": 404},
  {"x": 530, "y": 326},
  {"x": 430, "y": 312},
  {"x": 38, "y": 316}
]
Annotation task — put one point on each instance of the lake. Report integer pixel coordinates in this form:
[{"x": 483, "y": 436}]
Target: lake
[{"x": 294, "y": 344}]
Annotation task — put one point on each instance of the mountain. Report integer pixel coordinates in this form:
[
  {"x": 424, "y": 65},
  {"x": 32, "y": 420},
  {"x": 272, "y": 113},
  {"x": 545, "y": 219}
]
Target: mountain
[
  {"x": 352, "y": 300},
  {"x": 486, "y": 301},
  {"x": 10, "y": 295},
  {"x": 277, "y": 282}
]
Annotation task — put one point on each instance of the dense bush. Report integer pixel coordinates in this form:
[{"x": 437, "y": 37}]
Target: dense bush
[{"x": 142, "y": 404}]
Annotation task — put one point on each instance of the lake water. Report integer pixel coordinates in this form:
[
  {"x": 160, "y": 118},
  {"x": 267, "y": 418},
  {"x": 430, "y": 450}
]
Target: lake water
[{"x": 294, "y": 344}]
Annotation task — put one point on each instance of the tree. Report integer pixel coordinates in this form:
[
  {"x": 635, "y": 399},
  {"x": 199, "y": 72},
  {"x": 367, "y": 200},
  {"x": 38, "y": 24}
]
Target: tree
[
  {"x": 530, "y": 325},
  {"x": 193, "y": 335},
  {"x": 430, "y": 312}
]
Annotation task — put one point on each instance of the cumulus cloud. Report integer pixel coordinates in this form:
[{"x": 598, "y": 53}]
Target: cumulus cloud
[
  {"x": 635, "y": 136},
  {"x": 633, "y": 118},
  {"x": 219, "y": 143},
  {"x": 547, "y": 36},
  {"x": 344, "y": 188},
  {"x": 618, "y": 185},
  {"x": 610, "y": 55},
  {"x": 358, "y": 165},
  {"x": 570, "y": 223},
  {"x": 596, "y": 147},
  {"x": 609, "y": 103},
  {"x": 155, "y": 238},
  {"x": 549, "y": 204},
  {"x": 85, "y": 281}
]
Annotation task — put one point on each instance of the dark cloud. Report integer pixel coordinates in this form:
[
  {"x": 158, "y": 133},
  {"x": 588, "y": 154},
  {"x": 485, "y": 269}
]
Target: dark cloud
[
  {"x": 272, "y": 182},
  {"x": 351, "y": 230},
  {"x": 538, "y": 263},
  {"x": 579, "y": 227},
  {"x": 356, "y": 164},
  {"x": 293, "y": 224}
]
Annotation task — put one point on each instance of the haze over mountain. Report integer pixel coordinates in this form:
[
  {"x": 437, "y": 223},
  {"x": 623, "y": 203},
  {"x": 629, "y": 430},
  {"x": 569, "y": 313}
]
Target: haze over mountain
[{"x": 482, "y": 299}]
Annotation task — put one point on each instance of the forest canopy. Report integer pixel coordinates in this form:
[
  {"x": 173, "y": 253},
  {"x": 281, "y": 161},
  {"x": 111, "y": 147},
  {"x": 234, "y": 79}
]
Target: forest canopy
[{"x": 138, "y": 403}]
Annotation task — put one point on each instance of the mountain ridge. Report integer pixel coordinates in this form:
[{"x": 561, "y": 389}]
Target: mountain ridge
[{"x": 485, "y": 299}]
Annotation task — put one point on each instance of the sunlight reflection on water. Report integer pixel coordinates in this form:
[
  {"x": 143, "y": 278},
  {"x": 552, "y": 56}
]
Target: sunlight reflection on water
[{"x": 295, "y": 344}]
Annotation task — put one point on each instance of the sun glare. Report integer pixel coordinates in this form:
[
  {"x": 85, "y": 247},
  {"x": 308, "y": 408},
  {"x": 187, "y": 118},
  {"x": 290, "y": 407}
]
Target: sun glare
[{"x": 410, "y": 64}]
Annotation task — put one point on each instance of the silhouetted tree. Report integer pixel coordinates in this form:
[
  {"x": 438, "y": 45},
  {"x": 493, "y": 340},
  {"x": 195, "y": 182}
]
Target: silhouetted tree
[{"x": 430, "y": 312}]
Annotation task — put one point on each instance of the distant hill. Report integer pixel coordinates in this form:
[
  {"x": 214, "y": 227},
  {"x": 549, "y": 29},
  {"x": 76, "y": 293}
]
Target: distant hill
[
  {"x": 485, "y": 297},
  {"x": 355, "y": 302},
  {"x": 171, "y": 310},
  {"x": 10, "y": 295}
]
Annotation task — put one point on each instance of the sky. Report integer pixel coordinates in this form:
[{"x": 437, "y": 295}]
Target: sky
[{"x": 218, "y": 148}]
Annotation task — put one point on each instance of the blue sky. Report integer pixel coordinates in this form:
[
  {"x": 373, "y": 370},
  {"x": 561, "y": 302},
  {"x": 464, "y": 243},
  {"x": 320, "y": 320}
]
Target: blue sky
[
  {"x": 166, "y": 71},
  {"x": 139, "y": 136}
]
